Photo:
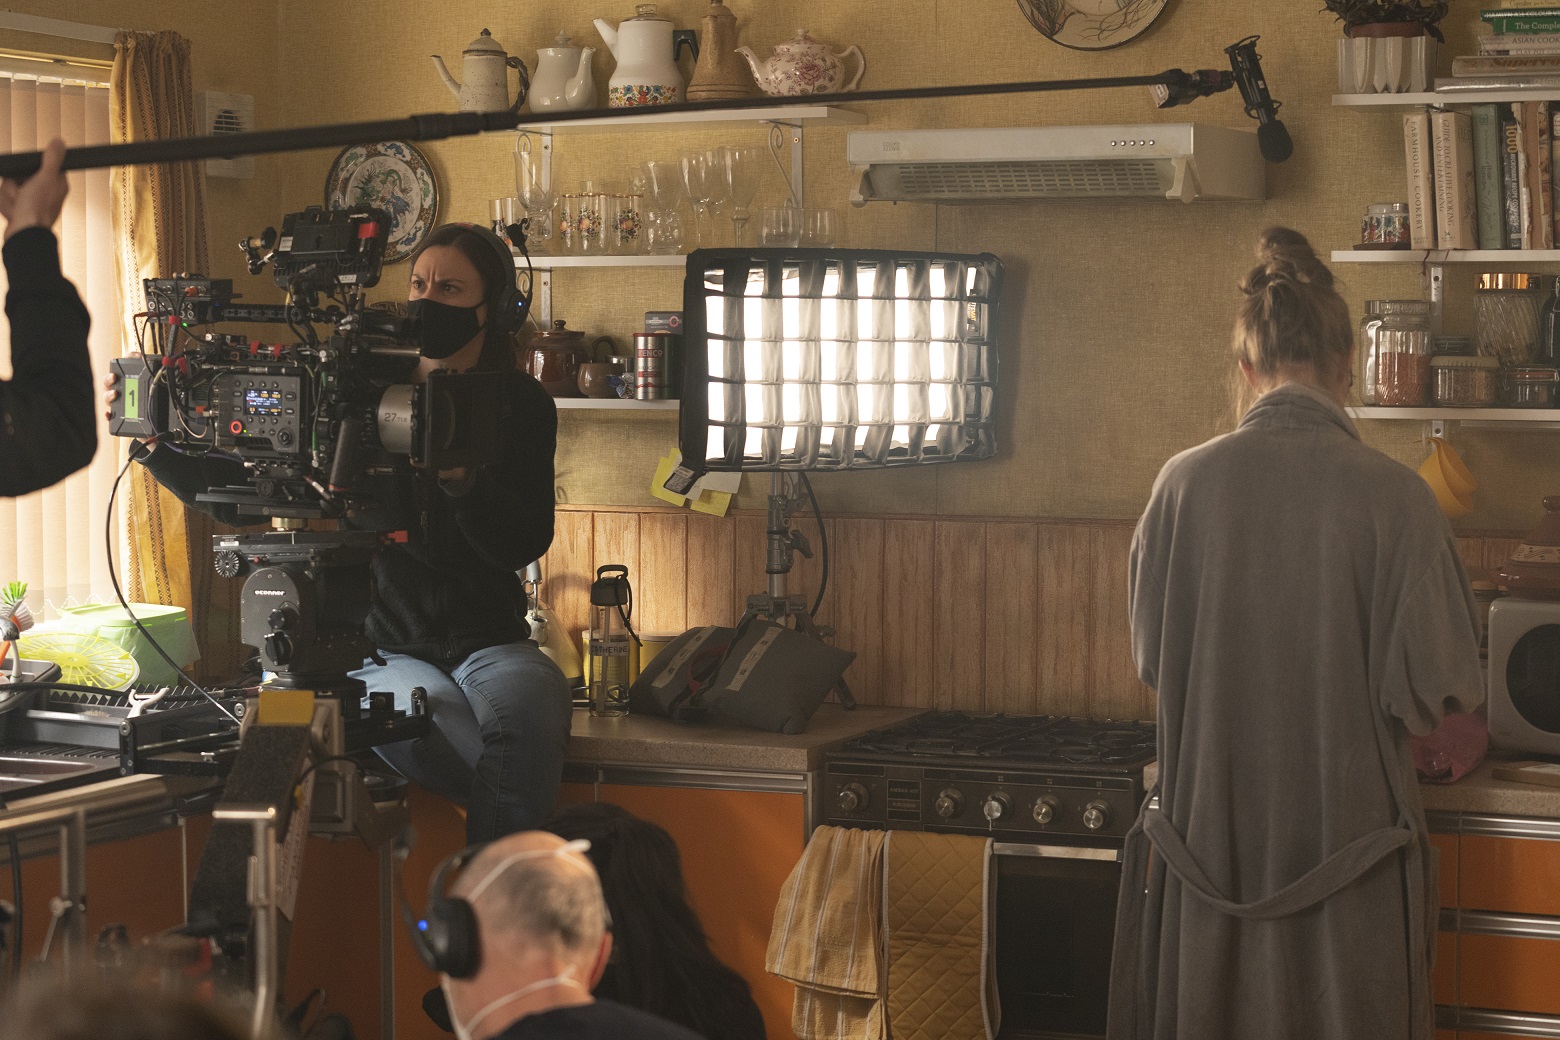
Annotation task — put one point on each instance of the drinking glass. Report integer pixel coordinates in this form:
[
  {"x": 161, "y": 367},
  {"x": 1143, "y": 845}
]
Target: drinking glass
[
  {"x": 593, "y": 222},
  {"x": 534, "y": 193},
  {"x": 743, "y": 166},
  {"x": 699, "y": 182},
  {"x": 781, "y": 226},
  {"x": 502, "y": 213},
  {"x": 571, "y": 209},
  {"x": 627, "y": 231},
  {"x": 819, "y": 228},
  {"x": 719, "y": 190},
  {"x": 664, "y": 188}
]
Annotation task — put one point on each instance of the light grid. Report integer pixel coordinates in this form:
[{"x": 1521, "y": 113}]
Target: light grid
[{"x": 823, "y": 359}]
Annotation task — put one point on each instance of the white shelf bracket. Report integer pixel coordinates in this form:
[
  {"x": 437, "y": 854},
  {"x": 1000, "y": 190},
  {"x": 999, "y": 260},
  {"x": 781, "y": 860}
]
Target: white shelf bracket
[
  {"x": 1435, "y": 284},
  {"x": 541, "y": 298},
  {"x": 779, "y": 133},
  {"x": 1435, "y": 428}
]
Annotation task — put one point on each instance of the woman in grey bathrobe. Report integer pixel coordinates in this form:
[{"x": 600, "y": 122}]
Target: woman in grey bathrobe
[{"x": 1298, "y": 604}]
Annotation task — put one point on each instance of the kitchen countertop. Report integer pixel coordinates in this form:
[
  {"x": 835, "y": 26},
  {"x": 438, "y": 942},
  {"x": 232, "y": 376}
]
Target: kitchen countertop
[
  {"x": 646, "y": 740},
  {"x": 1478, "y": 792}
]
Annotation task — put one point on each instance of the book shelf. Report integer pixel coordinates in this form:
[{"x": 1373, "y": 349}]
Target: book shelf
[
  {"x": 1446, "y": 256},
  {"x": 1443, "y": 99}
]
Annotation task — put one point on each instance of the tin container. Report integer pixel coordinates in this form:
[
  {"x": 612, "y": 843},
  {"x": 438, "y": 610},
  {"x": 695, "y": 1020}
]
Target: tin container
[
  {"x": 650, "y": 365},
  {"x": 1385, "y": 226}
]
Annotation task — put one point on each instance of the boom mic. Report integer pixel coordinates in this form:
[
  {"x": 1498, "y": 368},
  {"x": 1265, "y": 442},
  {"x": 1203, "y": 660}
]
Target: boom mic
[{"x": 1272, "y": 136}]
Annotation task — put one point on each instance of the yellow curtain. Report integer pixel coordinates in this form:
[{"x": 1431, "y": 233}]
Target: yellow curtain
[{"x": 160, "y": 222}]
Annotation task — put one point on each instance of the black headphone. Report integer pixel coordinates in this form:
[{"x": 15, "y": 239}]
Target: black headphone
[
  {"x": 446, "y": 937},
  {"x": 509, "y": 311}
]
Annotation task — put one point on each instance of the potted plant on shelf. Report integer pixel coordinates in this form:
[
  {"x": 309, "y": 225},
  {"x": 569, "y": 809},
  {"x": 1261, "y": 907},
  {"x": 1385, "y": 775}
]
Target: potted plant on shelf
[{"x": 1388, "y": 46}]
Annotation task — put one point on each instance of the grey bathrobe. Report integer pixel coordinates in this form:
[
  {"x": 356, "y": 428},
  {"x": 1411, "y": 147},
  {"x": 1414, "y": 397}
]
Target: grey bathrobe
[{"x": 1298, "y": 603}]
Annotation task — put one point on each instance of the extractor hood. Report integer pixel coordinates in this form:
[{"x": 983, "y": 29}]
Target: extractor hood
[{"x": 1178, "y": 161}]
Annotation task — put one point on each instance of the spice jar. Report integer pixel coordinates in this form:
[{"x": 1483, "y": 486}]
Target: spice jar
[
  {"x": 1385, "y": 226},
  {"x": 1505, "y": 313},
  {"x": 1465, "y": 382},
  {"x": 1531, "y": 386},
  {"x": 1395, "y": 353}
]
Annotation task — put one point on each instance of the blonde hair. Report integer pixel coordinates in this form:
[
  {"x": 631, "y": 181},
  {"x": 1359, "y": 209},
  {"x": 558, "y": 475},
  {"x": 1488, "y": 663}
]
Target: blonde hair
[{"x": 1292, "y": 320}]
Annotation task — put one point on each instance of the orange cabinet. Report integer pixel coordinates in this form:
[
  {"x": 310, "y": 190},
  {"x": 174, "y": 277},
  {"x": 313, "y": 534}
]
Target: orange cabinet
[{"x": 737, "y": 846}]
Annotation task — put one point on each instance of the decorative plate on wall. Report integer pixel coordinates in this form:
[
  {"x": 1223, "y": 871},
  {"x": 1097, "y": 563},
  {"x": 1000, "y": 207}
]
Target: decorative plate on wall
[
  {"x": 395, "y": 177},
  {"x": 1091, "y": 25}
]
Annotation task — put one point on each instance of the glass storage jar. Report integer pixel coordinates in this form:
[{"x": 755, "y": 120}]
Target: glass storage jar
[
  {"x": 1395, "y": 353},
  {"x": 1505, "y": 316},
  {"x": 1465, "y": 382},
  {"x": 1531, "y": 386}
]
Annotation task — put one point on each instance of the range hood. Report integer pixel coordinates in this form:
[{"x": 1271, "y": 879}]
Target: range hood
[{"x": 1177, "y": 161}]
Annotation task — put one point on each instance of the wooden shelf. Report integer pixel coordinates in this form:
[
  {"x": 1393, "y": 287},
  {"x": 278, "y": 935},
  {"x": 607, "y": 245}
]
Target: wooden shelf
[
  {"x": 618, "y": 405},
  {"x": 1446, "y": 256},
  {"x": 1546, "y": 416},
  {"x": 1449, "y": 97},
  {"x": 633, "y": 120},
  {"x": 551, "y": 263}
]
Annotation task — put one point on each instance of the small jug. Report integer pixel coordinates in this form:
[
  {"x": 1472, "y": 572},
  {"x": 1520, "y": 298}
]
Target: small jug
[{"x": 564, "y": 79}]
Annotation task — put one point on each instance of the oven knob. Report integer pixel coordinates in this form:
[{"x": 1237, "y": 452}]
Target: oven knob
[
  {"x": 1096, "y": 815},
  {"x": 1045, "y": 811},
  {"x": 851, "y": 798},
  {"x": 996, "y": 806},
  {"x": 949, "y": 804}
]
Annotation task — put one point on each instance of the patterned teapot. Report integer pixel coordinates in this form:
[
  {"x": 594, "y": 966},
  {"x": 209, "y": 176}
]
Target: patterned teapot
[{"x": 804, "y": 66}]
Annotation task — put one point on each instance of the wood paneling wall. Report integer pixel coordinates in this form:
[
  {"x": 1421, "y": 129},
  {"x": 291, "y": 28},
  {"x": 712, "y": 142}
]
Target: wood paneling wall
[{"x": 1019, "y": 616}]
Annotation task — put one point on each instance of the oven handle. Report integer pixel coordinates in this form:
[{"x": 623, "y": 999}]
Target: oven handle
[{"x": 1004, "y": 848}]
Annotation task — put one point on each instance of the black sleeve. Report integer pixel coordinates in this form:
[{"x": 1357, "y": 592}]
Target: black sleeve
[
  {"x": 507, "y": 516},
  {"x": 48, "y": 429},
  {"x": 188, "y": 475}
]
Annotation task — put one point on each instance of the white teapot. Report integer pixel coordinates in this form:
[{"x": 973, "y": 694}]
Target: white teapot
[
  {"x": 564, "y": 77},
  {"x": 646, "y": 50},
  {"x": 804, "y": 66},
  {"x": 486, "y": 88}
]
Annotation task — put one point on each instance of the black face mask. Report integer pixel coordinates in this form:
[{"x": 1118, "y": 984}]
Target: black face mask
[{"x": 440, "y": 329}]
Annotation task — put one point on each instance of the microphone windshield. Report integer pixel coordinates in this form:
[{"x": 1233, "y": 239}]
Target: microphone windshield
[{"x": 1273, "y": 139}]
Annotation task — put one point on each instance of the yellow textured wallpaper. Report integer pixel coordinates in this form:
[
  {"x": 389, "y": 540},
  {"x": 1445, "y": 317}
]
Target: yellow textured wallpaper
[{"x": 1116, "y": 314}]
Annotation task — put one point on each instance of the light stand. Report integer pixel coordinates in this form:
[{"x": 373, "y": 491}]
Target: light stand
[{"x": 784, "y": 542}]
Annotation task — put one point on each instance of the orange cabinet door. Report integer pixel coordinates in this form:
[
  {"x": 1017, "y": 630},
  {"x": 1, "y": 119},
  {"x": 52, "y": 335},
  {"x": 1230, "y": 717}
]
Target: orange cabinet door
[
  {"x": 1515, "y": 875},
  {"x": 1444, "y": 978},
  {"x": 737, "y": 849},
  {"x": 1509, "y": 972},
  {"x": 1446, "y": 844}
]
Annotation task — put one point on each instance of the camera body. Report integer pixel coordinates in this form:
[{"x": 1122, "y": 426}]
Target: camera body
[{"x": 314, "y": 419}]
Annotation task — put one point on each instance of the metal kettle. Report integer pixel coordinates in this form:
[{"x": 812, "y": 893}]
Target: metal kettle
[{"x": 484, "y": 64}]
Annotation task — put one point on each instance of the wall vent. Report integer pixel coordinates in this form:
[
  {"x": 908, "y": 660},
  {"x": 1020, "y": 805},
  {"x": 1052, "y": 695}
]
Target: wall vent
[{"x": 228, "y": 114}]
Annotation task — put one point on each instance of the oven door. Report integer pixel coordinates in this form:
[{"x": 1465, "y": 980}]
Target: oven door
[{"x": 1055, "y": 923}]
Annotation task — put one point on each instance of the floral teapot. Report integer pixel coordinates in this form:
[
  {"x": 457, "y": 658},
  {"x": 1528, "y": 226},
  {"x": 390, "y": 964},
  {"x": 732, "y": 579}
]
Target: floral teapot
[
  {"x": 486, "y": 88},
  {"x": 804, "y": 66}
]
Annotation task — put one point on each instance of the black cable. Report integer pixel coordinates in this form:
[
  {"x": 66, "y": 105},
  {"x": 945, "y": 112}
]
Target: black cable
[
  {"x": 113, "y": 577},
  {"x": 823, "y": 547},
  {"x": 312, "y": 766},
  {"x": 16, "y": 897}
]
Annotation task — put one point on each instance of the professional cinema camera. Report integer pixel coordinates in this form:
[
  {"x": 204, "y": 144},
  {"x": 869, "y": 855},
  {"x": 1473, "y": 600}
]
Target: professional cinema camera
[{"x": 311, "y": 422}]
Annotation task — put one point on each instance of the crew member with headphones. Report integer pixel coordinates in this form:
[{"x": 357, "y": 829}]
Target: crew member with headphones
[
  {"x": 518, "y": 941},
  {"x": 448, "y": 610}
]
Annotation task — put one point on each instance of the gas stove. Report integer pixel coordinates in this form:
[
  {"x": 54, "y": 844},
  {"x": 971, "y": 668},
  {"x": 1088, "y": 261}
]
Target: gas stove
[{"x": 1013, "y": 777}]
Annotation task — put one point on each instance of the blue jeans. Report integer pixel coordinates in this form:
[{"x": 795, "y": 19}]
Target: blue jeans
[{"x": 500, "y": 726}]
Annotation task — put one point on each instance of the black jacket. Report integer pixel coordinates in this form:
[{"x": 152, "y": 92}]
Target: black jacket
[
  {"x": 48, "y": 429},
  {"x": 451, "y": 588}
]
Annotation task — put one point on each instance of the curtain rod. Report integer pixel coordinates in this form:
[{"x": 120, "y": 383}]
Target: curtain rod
[{"x": 58, "y": 27}]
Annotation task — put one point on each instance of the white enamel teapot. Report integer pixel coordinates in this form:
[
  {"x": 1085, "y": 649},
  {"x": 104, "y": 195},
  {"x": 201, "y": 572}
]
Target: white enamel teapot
[
  {"x": 646, "y": 50},
  {"x": 803, "y": 65},
  {"x": 564, "y": 77},
  {"x": 486, "y": 87}
]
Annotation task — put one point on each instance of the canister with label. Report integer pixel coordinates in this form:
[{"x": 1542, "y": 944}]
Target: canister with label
[{"x": 650, "y": 365}]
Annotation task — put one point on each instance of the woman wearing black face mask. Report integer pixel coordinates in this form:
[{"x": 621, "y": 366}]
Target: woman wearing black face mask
[{"x": 447, "y": 611}]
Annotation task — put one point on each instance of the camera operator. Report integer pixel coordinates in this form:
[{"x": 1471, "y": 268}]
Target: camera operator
[
  {"x": 448, "y": 612},
  {"x": 47, "y": 430},
  {"x": 539, "y": 940}
]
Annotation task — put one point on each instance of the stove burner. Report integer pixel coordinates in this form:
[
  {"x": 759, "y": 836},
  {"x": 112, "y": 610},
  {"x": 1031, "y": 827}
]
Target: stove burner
[{"x": 1026, "y": 739}]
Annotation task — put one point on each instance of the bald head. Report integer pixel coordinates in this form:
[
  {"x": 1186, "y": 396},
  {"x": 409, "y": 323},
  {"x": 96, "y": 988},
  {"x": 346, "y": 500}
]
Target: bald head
[{"x": 534, "y": 891}]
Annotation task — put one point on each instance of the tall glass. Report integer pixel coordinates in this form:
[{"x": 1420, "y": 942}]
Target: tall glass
[
  {"x": 699, "y": 182},
  {"x": 664, "y": 188},
  {"x": 743, "y": 166},
  {"x": 534, "y": 193},
  {"x": 719, "y": 189}
]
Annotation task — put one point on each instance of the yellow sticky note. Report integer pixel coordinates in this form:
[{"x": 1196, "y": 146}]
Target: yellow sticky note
[
  {"x": 714, "y": 503},
  {"x": 663, "y": 470}
]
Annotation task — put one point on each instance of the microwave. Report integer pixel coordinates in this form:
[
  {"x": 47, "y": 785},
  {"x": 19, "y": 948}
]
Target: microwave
[{"x": 1524, "y": 675}]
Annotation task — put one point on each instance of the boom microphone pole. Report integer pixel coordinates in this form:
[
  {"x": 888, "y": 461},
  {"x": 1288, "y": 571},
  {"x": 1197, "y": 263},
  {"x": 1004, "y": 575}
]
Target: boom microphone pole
[{"x": 1173, "y": 86}]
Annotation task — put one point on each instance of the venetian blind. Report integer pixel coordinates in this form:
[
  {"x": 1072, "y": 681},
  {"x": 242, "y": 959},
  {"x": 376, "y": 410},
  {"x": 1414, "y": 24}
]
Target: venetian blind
[{"x": 54, "y": 539}]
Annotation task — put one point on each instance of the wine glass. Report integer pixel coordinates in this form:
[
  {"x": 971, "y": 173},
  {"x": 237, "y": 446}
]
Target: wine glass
[
  {"x": 743, "y": 166},
  {"x": 664, "y": 187},
  {"x": 699, "y": 181},
  {"x": 719, "y": 189},
  {"x": 534, "y": 193}
]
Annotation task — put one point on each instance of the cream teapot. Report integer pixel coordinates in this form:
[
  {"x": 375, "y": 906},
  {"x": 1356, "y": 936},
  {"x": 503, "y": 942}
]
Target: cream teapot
[
  {"x": 486, "y": 87},
  {"x": 564, "y": 77},
  {"x": 803, "y": 65}
]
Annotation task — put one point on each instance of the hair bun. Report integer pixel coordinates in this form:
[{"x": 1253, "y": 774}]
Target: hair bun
[{"x": 1285, "y": 255}]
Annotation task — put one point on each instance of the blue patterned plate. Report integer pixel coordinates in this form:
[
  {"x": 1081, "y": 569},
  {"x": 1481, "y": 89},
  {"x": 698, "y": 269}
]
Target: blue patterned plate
[{"x": 395, "y": 177}]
